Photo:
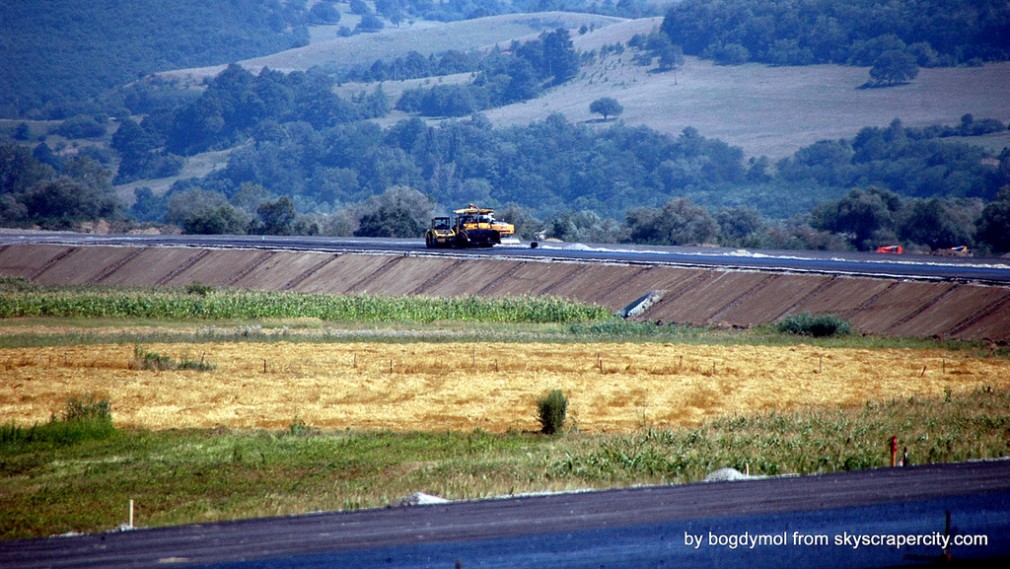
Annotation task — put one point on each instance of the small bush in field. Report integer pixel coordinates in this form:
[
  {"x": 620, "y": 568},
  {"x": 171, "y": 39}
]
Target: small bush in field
[
  {"x": 552, "y": 411},
  {"x": 199, "y": 289},
  {"x": 143, "y": 359},
  {"x": 815, "y": 325}
]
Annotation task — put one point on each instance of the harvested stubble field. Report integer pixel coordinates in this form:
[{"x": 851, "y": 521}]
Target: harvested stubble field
[{"x": 613, "y": 387}]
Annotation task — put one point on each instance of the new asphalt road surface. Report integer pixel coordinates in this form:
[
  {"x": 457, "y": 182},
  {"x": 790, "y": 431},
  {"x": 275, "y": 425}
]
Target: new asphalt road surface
[
  {"x": 892, "y": 517},
  {"x": 992, "y": 271}
]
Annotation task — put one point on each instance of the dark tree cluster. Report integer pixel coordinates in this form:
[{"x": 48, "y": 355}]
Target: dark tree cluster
[
  {"x": 455, "y": 10},
  {"x": 517, "y": 74},
  {"x": 141, "y": 152},
  {"x": 862, "y": 219},
  {"x": 34, "y": 193},
  {"x": 547, "y": 166},
  {"x": 413, "y": 66},
  {"x": 911, "y": 162},
  {"x": 856, "y": 32},
  {"x": 237, "y": 103}
]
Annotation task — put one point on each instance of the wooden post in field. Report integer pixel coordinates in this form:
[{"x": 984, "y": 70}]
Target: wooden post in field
[{"x": 131, "y": 514}]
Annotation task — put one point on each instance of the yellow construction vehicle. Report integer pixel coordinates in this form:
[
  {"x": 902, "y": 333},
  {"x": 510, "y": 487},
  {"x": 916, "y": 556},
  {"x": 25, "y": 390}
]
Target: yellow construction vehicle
[{"x": 471, "y": 226}]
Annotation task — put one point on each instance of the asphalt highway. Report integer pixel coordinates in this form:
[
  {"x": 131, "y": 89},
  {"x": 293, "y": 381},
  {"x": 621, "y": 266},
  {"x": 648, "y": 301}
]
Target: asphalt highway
[
  {"x": 874, "y": 518},
  {"x": 966, "y": 269}
]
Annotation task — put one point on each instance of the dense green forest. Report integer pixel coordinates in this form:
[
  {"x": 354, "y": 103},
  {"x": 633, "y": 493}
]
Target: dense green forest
[
  {"x": 59, "y": 54},
  {"x": 855, "y": 32}
]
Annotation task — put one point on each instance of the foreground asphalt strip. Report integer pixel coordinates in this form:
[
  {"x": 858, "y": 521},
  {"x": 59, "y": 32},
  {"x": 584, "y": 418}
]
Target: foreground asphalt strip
[{"x": 643, "y": 526}]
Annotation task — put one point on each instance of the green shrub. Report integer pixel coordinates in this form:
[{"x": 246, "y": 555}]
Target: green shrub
[
  {"x": 196, "y": 365},
  {"x": 81, "y": 418},
  {"x": 16, "y": 284},
  {"x": 815, "y": 325},
  {"x": 618, "y": 327},
  {"x": 143, "y": 359},
  {"x": 86, "y": 408},
  {"x": 552, "y": 411},
  {"x": 199, "y": 289}
]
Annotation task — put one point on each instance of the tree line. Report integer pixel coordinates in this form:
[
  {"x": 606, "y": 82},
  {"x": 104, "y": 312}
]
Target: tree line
[
  {"x": 549, "y": 165},
  {"x": 502, "y": 77},
  {"x": 33, "y": 192}
]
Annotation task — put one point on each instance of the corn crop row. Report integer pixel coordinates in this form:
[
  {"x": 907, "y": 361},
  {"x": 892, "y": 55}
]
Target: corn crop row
[{"x": 173, "y": 305}]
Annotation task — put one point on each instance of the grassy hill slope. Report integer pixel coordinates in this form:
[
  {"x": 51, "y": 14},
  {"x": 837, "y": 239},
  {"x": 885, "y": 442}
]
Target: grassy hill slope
[
  {"x": 768, "y": 110},
  {"x": 393, "y": 42}
]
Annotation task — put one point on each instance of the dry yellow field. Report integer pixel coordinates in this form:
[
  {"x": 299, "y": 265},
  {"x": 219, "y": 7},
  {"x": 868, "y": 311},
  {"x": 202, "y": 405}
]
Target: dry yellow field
[{"x": 464, "y": 386}]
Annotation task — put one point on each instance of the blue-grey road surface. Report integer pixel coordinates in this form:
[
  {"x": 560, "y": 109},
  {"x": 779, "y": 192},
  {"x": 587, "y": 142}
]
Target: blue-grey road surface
[{"x": 924, "y": 515}]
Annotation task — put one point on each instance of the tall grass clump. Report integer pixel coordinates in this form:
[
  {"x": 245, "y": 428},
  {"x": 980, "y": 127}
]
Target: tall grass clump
[
  {"x": 814, "y": 325},
  {"x": 144, "y": 359},
  {"x": 618, "y": 328},
  {"x": 552, "y": 411},
  {"x": 82, "y": 417}
]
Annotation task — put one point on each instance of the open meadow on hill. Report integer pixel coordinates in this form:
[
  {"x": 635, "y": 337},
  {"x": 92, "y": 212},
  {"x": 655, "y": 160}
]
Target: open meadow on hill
[
  {"x": 768, "y": 110},
  {"x": 765, "y": 110},
  {"x": 425, "y": 38}
]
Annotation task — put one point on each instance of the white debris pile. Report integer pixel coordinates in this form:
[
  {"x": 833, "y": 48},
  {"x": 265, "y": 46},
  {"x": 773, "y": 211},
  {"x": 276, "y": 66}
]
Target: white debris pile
[
  {"x": 728, "y": 474},
  {"x": 420, "y": 499}
]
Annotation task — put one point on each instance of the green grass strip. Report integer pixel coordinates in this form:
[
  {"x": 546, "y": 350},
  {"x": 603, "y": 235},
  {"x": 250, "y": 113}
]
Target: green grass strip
[
  {"x": 56, "y": 483},
  {"x": 220, "y": 305}
]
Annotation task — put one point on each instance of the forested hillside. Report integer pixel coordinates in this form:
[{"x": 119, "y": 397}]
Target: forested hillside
[
  {"x": 853, "y": 32},
  {"x": 60, "y": 53},
  {"x": 296, "y": 157}
]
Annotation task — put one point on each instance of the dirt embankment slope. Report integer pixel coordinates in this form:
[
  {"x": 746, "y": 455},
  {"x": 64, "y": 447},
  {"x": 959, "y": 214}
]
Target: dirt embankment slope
[{"x": 693, "y": 296}]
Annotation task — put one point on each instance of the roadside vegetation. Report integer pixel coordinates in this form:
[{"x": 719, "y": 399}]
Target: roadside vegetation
[{"x": 199, "y": 476}]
